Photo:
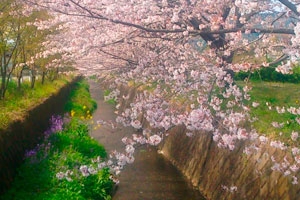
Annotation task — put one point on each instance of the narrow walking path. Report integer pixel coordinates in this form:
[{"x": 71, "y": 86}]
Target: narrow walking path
[{"x": 151, "y": 176}]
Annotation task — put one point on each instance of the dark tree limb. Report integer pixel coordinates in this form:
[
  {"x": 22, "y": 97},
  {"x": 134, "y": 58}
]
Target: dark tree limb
[
  {"x": 291, "y": 6},
  {"x": 119, "y": 58}
]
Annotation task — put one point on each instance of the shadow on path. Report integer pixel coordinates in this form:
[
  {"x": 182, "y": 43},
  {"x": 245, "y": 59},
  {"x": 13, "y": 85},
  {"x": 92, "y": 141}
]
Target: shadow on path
[{"x": 151, "y": 176}]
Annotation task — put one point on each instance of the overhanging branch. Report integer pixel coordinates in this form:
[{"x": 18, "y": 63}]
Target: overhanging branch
[
  {"x": 280, "y": 59},
  {"x": 119, "y": 58},
  {"x": 91, "y": 14},
  {"x": 291, "y": 6}
]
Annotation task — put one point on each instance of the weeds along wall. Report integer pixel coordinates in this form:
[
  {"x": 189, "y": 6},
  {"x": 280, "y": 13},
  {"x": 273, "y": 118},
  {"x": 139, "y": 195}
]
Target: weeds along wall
[
  {"x": 212, "y": 169},
  {"x": 25, "y": 135}
]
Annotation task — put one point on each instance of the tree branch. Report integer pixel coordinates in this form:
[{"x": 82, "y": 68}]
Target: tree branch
[
  {"x": 94, "y": 15},
  {"x": 198, "y": 32},
  {"x": 291, "y": 6},
  {"x": 280, "y": 59},
  {"x": 118, "y": 57}
]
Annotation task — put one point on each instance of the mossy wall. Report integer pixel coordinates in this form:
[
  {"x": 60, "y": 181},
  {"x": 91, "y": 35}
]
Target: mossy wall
[
  {"x": 25, "y": 135},
  {"x": 210, "y": 168}
]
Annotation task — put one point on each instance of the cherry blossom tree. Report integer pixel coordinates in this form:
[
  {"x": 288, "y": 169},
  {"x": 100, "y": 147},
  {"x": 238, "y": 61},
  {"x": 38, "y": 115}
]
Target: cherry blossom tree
[
  {"x": 9, "y": 31},
  {"x": 187, "y": 46},
  {"x": 220, "y": 23},
  {"x": 181, "y": 49}
]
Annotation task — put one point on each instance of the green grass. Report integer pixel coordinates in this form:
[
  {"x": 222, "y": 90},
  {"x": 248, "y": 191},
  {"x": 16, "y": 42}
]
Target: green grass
[
  {"x": 68, "y": 151},
  {"x": 18, "y": 102},
  {"x": 111, "y": 100},
  {"x": 81, "y": 104},
  {"x": 275, "y": 94},
  {"x": 71, "y": 149}
]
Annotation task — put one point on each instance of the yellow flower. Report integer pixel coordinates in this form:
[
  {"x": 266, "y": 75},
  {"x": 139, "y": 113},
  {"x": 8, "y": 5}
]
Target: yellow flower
[
  {"x": 84, "y": 107},
  {"x": 72, "y": 113}
]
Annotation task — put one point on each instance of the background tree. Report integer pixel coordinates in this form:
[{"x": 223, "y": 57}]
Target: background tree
[
  {"x": 24, "y": 33},
  {"x": 9, "y": 39}
]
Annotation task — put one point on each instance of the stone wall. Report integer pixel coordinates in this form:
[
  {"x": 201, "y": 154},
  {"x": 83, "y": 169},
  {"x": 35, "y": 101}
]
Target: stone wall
[
  {"x": 25, "y": 135},
  {"x": 211, "y": 169}
]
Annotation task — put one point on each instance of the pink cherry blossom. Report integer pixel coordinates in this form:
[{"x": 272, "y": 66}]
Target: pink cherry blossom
[
  {"x": 294, "y": 135},
  {"x": 154, "y": 140}
]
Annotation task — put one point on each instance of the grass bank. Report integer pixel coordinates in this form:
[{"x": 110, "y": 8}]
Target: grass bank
[
  {"x": 18, "y": 101},
  {"x": 273, "y": 97},
  {"x": 69, "y": 164}
]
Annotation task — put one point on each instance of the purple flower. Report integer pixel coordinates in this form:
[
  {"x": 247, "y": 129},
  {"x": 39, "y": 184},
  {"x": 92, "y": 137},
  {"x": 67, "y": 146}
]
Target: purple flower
[
  {"x": 56, "y": 124},
  {"x": 30, "y": 153}
]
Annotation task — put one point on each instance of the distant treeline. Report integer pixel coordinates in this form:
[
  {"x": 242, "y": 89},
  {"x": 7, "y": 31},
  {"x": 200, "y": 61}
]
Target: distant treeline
[{"x": 270, "y": 74}]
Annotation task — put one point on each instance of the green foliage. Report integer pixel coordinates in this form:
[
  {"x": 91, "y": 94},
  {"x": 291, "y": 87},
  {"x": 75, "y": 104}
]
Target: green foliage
[
  {"x": 81, "y": 140},
  {"x": 106, "y": 92},
  {"x": 271, "y": 75},
  {"x": 110, "y": 99},
  {"x": 69, "y": 150},
  {"x": 81, "y": 103},
  {"x": 37, "y": 179},
  {"x": 271, "y": 95},
  {"x": 95, "y": 187},
  {"x": 32, "y": 180},
  {"x": 93, "y": 77}
]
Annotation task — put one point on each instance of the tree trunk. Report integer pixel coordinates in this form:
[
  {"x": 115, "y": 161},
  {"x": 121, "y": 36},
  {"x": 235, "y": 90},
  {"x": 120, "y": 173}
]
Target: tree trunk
[
  {"x": 56, "y": 74},
  {"x": 43, "y": 77},
  {"x": 33, "y": 76},
  {"x": 19, "y": 79},
  {"x": 3, "y": 76},
  {"x": 32, "y": 82},
  {"x": 2, "y": 89}
]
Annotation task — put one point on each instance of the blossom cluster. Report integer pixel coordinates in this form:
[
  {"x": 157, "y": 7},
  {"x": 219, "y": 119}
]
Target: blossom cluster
[
  {"x": 112, "y": 95},
  {"x": 83, "y": 171}
]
